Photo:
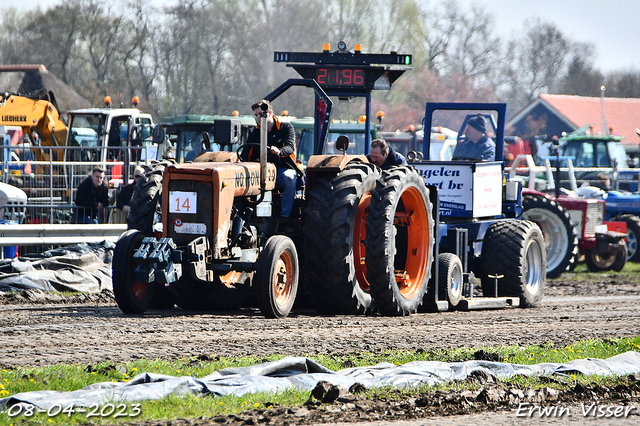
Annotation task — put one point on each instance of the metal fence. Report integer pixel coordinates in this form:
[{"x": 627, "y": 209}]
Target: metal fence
[
  {"x": 542, "y": 177},
  {"x": 51, "y": 185}
]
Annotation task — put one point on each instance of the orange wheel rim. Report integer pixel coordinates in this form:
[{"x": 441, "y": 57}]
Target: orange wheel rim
[
  {"x": 282, "y": 279},
  {"x": 138, "y": 288},
  {"x": 411, "y": 278},
  {"x": 359, "y": 236}
]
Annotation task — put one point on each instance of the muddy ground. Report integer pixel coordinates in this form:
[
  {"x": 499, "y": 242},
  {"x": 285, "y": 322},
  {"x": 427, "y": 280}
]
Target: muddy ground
[{"x": 41, "y": 329}]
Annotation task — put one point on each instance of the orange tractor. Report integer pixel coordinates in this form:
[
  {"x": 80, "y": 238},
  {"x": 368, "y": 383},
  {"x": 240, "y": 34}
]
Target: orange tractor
[{"x": 360, "y": 242}]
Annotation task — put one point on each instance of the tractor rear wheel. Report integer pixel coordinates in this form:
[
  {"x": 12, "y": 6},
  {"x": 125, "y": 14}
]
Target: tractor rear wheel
[
  {"x": 399, "y": 242},
  {"x": 450, "y": 279},
  {"x": 334, "y": 233},
  {"x": 514, "y": 251},
  {"x": 633, "y": 235},
  {"x": 560, "y": 237},
  {"x": 146, "y": 197},
  {"x": 277, "y": 277},
  {"x": 132, "y": 297}
]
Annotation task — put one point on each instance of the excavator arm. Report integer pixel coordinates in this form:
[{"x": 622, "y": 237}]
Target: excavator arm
[{"x": 35, "y": 116}]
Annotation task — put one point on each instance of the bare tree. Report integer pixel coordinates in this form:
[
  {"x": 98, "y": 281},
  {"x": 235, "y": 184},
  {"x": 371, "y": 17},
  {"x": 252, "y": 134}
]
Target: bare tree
[
  {"x": 581, "y": 77},
  {"x": 538, "y": 60},
  {"x": 623, "y": 84},
  {"x": 439, "y": 26},
  {"x": 474, "y": 50}
]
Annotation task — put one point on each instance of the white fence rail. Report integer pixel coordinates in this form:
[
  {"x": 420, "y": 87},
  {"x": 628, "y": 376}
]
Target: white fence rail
[{"x": 58, "y": 234}]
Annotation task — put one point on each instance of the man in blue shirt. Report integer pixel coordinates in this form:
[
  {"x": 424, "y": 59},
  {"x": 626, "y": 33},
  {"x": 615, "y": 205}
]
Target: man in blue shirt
[{"x": 476, "y": 146}]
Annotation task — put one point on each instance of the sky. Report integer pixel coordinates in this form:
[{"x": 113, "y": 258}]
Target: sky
[{"x": 611, "y": 25}]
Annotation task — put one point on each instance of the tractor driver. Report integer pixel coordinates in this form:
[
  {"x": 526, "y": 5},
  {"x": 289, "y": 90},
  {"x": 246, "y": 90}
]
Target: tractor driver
[
  {"x": 477, "y": 145},
  {"x": 280, "y": 151}
]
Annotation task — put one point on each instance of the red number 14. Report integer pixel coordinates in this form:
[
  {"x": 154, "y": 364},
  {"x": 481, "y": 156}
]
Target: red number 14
[{"x": 185, "y": 205}]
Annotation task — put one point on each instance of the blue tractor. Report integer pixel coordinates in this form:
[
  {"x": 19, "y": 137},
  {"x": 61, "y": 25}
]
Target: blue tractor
[{"x": 479, "y": 235}]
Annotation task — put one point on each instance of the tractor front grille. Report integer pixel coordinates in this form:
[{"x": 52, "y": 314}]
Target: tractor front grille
[{"x": 594, "y": 217}]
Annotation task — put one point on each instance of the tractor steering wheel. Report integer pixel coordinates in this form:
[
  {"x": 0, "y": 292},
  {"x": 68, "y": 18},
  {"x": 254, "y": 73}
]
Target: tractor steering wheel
[{"x": 241, "y": 147}]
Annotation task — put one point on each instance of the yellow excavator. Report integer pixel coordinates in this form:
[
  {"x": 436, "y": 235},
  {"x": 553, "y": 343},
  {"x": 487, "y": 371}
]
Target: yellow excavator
[{"x": 39, "y": 118}]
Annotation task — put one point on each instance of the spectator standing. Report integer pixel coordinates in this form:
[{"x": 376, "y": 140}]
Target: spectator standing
[
  {"x": 124, "y": 197},
  {"x": 93, "y": 196}
]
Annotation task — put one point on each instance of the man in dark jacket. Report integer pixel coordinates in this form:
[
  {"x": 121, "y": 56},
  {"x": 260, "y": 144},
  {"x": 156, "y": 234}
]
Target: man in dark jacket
[
  {"x": 124, "y": 197},
  {"x": 93, "y": 195},
  {"x": 477, "y": 145},
  {"x": 382, "y": 155},
  {"x": 280, "y": 145}
]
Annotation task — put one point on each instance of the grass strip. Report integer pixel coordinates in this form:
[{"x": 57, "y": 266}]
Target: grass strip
[{"x": 73, "y": 377}]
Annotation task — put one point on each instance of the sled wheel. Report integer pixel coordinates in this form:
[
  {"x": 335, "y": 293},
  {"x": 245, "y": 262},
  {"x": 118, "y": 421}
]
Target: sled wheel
[
  {"x": 633, "y": 234},
  {"x": 561, "y": 240},
  {"x": 277, "y": 277},
  {"x": 399, "y": 242},
  {"x": 334, "y": 232},
  {"x": 132, "y": 297},
  {"x": 515, "y": 250},
  {"x": 450, "y": 279}
]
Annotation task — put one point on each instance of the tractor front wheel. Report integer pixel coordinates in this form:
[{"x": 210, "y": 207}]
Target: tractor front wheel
[
  {"x": 598, "y": 263},
  {"x": 277, "y": 277},
  {"x": 633, "y": 235},
  {"x": 132, "y": 297}
]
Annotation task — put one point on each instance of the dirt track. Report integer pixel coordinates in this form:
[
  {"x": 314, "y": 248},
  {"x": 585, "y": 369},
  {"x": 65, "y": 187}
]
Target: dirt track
[
  {"x": 43, "y": 333},
  {"x": 90, "y": 328}
]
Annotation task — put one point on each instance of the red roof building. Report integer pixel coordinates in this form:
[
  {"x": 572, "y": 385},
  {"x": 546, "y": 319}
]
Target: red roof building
[{"x": 555, "y": 114}]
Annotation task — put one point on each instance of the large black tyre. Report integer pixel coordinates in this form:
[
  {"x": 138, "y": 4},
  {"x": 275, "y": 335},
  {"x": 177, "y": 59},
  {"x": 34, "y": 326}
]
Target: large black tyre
[
  {"x": 277, "y": 277},
  {"x": 450, "y": 279},
  {"x": 226, "y": 293},
  {"x": 513, "y": 249},
  {"x": 633, "y": 235},
  {"x": 333, "y": 239},
  {"x": 132, "y": 297},
  {"x": 560, "y": 237},
  {"x": 146, "y": 197},
  {"x": 399, "y": 242}
]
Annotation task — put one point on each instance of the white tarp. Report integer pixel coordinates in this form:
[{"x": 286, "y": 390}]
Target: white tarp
[{"x": 303, "y": 374}]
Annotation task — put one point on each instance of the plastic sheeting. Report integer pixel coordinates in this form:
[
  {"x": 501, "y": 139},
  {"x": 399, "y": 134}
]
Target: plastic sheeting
[
  {"x": 84, "y": 267},
  {"x": 304, "y": 374}
]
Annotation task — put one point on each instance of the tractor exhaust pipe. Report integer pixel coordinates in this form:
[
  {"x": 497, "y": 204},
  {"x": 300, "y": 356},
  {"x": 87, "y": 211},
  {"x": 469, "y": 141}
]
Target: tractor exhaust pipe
[{"x": 263, "y": 147}]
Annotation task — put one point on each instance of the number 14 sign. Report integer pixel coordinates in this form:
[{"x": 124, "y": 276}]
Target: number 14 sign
[{"x": 183, "y": 202}]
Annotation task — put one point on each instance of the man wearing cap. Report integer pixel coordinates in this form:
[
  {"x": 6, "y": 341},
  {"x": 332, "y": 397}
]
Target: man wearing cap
[
  {"x": 476, "y": 146},
  {"x": 123, "y": 199}
]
